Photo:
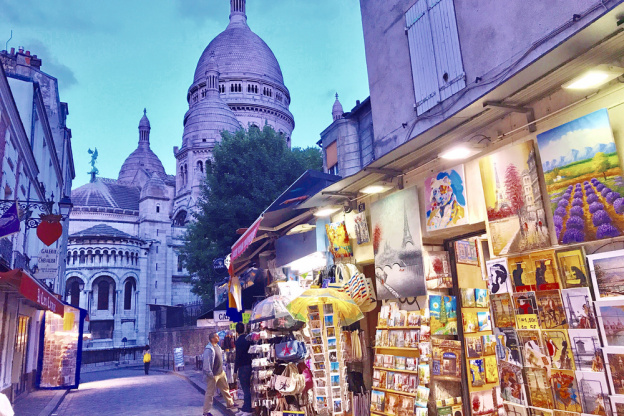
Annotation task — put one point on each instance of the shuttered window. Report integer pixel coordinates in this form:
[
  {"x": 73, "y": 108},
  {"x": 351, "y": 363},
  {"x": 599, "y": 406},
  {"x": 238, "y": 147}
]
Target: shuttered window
[{"x": 437, "y": 69}]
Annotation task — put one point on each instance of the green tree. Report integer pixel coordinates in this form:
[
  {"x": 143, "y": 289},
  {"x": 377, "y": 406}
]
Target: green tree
[
  {"x": 600, "y": 163},
  {"x": 250, "y": 169}
]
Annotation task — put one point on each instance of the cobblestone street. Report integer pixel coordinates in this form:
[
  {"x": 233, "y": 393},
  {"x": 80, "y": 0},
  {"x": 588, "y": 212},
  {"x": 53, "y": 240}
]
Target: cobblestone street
[{"x": 130, "y": 392}]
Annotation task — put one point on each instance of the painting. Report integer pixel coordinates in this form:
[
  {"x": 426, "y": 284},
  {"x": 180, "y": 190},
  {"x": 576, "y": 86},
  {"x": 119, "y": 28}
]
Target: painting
[
  {"x": 607, "y": 273},
  {"x": 538, "y": 387},
  {"x": 474, "y": 346},
  {"x": 546, "y": 272},
  {"x": 513, "y": 199},
  {"x": 533, "y": 349},
  {"x": 361, "y": 228},
  {"x": 512, "y": 383},
  {"x": 594, "y": 392},
  {"x": 502, "y": 310},
  {"x": 565, "y": 391},
  {"x": 443, "y": 310},
  {"x": 583, "y": 179},
  {"x": 611, "y": 321},
  {"x": 559, "y": 348},
  {"x": 466, "y": 252},
  {"x": 499, "y": 278},
  {"x": 485, "y": 402},
  {"x": 522, "y": 273},
  {"x": 617, "y": 405},
  {"x": 578, "y": 307},
  {"x": 511, "y": 345},
  {"x": 339, "y": 244},
  {"x": 476, "y": 369},
  {"x": 550, "y": 308},
  {"x": 445, "y": 194},
  {"x": 446, "y": 358},
  {"x": 587, "y": 350},
  {"x": 468, "y": 298},
  {"x": 614, "y": 362},
  {"x": 572, "y": 268},
  {"x": 438, "y": 270},
  {"x": 397, "y": 246}
]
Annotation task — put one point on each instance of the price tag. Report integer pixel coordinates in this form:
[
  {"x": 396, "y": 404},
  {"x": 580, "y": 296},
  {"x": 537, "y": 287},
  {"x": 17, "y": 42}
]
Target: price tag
[{"x": 528, "y": 321}]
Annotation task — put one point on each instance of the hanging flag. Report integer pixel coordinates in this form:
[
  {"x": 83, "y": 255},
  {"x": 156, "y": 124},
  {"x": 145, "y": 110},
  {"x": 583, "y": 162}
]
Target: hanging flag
[{"x": 9, "y": 222}]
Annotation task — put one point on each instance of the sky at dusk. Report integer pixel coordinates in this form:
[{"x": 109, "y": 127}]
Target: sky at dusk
[{"x": 114, "y": 58}]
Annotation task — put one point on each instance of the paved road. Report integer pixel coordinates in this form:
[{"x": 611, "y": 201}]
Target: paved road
[{"x": 130, "y": 392}]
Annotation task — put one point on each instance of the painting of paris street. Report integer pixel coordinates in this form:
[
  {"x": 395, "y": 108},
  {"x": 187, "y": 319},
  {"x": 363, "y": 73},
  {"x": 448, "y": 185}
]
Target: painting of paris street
[
  {"x": 397, "y": 244},
  {"x": 513, "y": 199}
]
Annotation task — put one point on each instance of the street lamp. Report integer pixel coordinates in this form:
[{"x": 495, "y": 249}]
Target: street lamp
[{"x": 65, "y": 206}]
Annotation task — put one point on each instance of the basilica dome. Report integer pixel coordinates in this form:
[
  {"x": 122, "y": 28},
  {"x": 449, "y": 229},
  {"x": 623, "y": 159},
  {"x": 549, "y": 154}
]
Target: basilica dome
[{"x": 143, "y": 158}]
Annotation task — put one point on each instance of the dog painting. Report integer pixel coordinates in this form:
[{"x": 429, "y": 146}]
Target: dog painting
[{"x": 445, "y": 198}]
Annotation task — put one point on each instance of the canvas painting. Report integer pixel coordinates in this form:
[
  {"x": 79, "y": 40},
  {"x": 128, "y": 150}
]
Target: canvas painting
[
  {"x": 611, "y": 321},
  {"x": 438, "y": 270},
  {"x": 583, "y": 179},
  {"x": 397, "y": 246},
  {"x": 578, "y": 307},
  {"x": 339, "y": 244},
  {"x": 499, "y": 278},
  {"x": 512, "y": 383},
  {"x": 466, "y": 252},
  {"x": 361, "y": 228},
  {"x": 550, "y": 308},
  {"x": 445, "y": 194},
  {"x": 502, "y": 310},
  {"x": 565, "y": 391},
  {"x": 594, "y": 392},
  {"x": 513, "y": 199},
  {"x": 607, "y": 273},
  {"x": 572, "y": 268},
  {"x": 538, "y": 387},
  {"x": 614, "y": 362},
  {"x": 559, "y": 348},
  {"x": 443, "y": 310},
  {"x": 587, "y": 350}
]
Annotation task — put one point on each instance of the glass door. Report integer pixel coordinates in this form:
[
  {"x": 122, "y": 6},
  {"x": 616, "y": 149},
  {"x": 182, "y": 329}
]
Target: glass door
[{"x": 20, "y": 354}]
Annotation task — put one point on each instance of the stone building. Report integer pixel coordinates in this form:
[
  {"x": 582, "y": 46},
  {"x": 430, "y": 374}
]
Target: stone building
[{"x": 122, "y": 263}]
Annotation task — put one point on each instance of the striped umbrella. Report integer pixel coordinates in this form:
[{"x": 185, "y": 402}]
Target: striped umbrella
[{"x": 341, "y": 302}]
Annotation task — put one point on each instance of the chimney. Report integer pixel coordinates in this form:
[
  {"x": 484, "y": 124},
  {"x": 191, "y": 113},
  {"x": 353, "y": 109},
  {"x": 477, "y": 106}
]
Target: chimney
[
  {"x": 21, "y": 49},
  {"x": 28, "y": 53},
  {"x": 357, "y": 102},
  {"x": 12, "y": 51}
]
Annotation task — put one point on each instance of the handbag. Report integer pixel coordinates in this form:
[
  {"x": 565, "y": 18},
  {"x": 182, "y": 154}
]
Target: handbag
[
  {"x": 290, "y": 382},
  {"x": 290, "y": 351}
]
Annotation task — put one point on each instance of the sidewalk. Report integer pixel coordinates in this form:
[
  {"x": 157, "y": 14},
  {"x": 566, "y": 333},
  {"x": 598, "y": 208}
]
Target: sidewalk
[
  {"x": 39, "y": 402},
  {"x": 196, "y": 378}
]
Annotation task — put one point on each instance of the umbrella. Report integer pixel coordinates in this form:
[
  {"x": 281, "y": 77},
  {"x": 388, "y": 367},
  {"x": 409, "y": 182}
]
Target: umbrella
[
  {"x": 342, "y": 304},
  {"x": 273, "y": 307}
]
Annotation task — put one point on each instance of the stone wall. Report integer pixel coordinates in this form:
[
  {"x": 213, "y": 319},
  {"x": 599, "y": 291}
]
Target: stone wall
[{"x": 192, "y": 339}]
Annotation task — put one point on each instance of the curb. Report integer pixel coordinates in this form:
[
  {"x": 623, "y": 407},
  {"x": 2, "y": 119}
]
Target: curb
[
  {"x": 216, "y": 403},
  {"x": 54, "y": 404}
]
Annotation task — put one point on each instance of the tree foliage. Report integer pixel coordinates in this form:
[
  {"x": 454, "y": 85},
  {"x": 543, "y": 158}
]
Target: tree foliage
[
  {"x": 600, "y": 163},
  {"x": 250, "y": 169},
  {"x": 513, "y": 188}
]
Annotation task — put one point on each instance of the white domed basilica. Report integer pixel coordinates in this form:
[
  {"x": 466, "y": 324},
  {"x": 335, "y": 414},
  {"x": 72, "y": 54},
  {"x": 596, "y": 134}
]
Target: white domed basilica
[{"x": 125, "y": 232}]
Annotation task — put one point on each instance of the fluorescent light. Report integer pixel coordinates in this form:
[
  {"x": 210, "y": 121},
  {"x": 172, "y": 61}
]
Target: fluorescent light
[
  {"x": 375, "y": 189},
  {"x": 458, "y": 153},
  {"x": 326, "y": 212},
  {"x": 594, "y": 77}
]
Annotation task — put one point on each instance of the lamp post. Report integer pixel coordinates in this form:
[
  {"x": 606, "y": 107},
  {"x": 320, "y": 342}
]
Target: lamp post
[{"x": 65, "y": 207}]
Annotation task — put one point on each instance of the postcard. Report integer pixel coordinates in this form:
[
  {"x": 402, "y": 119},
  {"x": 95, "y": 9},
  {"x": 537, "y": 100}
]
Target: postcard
[
  {"x": 337, "y": 406},
  {"x": 474, "y": 346},
  {"x": 317, "y": 340},
  {"x": 489, "y": 344},
  {"x": 315, "y": 324},
  {"x": 425, "y": 351},
  {"x": 319, "y": 365},
  {"x": 482, "y": 298},
  {"x": 392, "y": 404},
  {"x": 378, "y": 399},
  {"x": 476, "y": 371},
  {"x": 525, "y": 303},
  {"x": 378, "y": 360},
  {"x": 538, "y": 387},
  {"x": 617, "y": 405},
  {"x": 565, "y": 391},
  {"x": 407, "y": 406},
  {"x": 317, "y": 349},
  {"x": 328, "y": 309},
  {"x": 594, "y": 392},
  {"x": 412, "y": 338},
  {"x": 389, "y": 361},
  {"x": 485, "y": 324},
  {"x": 572, "y": 270},
  {"x": 611, "y": 321},
  {"x": 499, "y": 278},
  {"x": 321, "y": 402},
  {"x": 546, "y": 271},
  {"x": 422, "y": 396},
  {"x": 550, "y": 310},
  {"x": 383, "y": 378},
  {"x": 330, "y": 331},
  {"x": 425, "y": 316},
  {"x": 512, "y": 383},
  {"x": 559, "y": 349},
  {"x": 503, "y": 310},
  {"x": 384, "y": 315},
  {"x": 329, "y": 320},
  {"x": 314, "y": 317},
  {"x": 515, "y": 409},
  {"x": 399, "y": 363},
  {"x": 522, "y": 273},
  {"x": 468, "y": 298},
  {"x": 437, "y": 270},
  {"x": 614, "y": 362},
  {"x": 413, "y": 318},
  {"x": 470, "y": 321},
  {"x": 401, "y": 381},
  {"x": 491, "y": 369},
  {"x": 333, "y": 356},
  {"x": 317, "y": 332},
  {"x": 376, "y": 378},
  {"x": 424, "y": 373},
  {"x": 488, "y": 404},
  {"x": 331, "y": 344},
  {"x": 390, "y": 380},
  {"x": 335, "y": 380},
  {"x": 334, "y": 367},
  {"x": 321, "y": 391},
  {"x": 413, "y": 383},
  {"x": 577, "y": 303},
  {"x": 385, "y": 341},
  {"x": 313, "y": 309},
  {"x": 586, "y": 349},
  {"x": 443, "y": 311},
  {"x": 425, "y": 333},
  {"x": 607, "y": 273},
  {"x": 533, "y": 349},
  {"x": 411, "y": 363},
  {"x": 511, "y": 345}
]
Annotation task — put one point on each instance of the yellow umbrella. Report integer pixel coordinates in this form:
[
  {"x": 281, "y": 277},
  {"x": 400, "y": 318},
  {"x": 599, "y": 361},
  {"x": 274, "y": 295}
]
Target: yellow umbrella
[{"x": 342, "y": 304}]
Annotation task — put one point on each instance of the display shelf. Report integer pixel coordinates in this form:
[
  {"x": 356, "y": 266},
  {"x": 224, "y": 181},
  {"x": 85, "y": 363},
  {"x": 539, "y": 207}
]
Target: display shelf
[
  {"x": 397, "y": 348},
  {"x": 397, "y": 327},
  {"x": 395, "y": 370},
  {"x": 404, "y": 393}
]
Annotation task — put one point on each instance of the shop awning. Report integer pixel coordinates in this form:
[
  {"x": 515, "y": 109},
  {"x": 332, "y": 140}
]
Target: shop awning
[
  {"x": 242, "y": 243},
  {"x": 31, "y": 289}
]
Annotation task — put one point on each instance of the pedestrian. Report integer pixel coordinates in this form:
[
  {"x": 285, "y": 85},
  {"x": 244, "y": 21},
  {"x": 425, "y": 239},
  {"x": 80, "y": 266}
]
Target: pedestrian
[
  {"x": 215, "y": 376},
  {"x": 242, "y": 366},
  {"x": 147, "y": 359}
]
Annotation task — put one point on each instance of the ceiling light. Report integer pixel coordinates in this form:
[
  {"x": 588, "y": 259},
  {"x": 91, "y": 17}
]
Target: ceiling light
[
  {"x": 594, "y": 78},
  {"x": 375, "y": 189},
  {"x": 326, "y": 212},
  {"x": 458, "y": 153}
]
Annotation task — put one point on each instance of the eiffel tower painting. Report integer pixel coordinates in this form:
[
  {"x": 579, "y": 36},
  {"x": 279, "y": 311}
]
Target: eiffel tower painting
[{"x": 397, "y": 245}]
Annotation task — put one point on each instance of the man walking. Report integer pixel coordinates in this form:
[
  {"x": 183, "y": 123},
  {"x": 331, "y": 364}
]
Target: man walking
[
  {"x": 147, "y": 359},
  {"x": 242, "y": 366},
  {"x": 215, "y": 376}
]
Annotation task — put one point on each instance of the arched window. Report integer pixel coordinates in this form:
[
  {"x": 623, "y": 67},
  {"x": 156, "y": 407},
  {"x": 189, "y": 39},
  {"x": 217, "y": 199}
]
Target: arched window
[
  {"x": 157, "y": 208},
  {"x": 74, "y": 286},
  {"x": 103, "y": 294},
  {"x": 200, "y": 166},
  {"x": 129, "y": 289},
  {"x": 180, "y": 219}
]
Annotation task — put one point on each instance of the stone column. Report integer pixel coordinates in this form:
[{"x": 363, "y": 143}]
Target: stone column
[{"x": 117, "y": 333}]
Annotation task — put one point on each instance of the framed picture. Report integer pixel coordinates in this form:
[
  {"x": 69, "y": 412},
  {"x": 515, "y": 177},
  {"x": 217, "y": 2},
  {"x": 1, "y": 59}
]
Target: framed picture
[
  {"x": 572, "y": 270},
  {"x": 594, "y": 392},
  {"x": 438, "y": 270},
  {"x": 611, "y": 321},
  {"x": 607, "y": 273},
  {"x": 614, "y": 362},
  {"x": 466, "y": 252},
  {"x": 445, "y": 199},
  {"x": 503, "y": 310}
]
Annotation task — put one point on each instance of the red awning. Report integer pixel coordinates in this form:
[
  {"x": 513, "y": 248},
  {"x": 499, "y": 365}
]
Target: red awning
[
  {"x": 33, "y": 290},
  {"x": 242, "y": 243}
]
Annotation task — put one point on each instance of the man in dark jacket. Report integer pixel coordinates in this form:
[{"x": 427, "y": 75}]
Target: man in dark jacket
[{"x": 242, "y": 366}]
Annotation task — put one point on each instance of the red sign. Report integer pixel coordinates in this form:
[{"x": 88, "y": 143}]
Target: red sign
[
  {"x": 246, "y": 239},
  {"x": 32, "y": 290}
]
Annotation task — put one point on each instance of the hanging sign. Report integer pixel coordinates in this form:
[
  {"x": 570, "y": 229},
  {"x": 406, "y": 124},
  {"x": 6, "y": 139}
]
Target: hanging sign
[
  {"x": 246, "y": 317},
  {"x": 50, "y": 229},
  {"x": 221, "y": 316},
  {"x": 232, "y": 326},
  {"x": 9, "y": 222},
  {"x": 47, "y": 264}
]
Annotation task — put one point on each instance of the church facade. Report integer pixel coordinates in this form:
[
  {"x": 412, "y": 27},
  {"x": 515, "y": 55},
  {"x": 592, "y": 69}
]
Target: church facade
[{"x": 125, "y": 233}]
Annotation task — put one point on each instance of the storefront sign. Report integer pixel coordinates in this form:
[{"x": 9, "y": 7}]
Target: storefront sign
[
  {"x": 47, "y": 264},
  {"x": 221, "y": 316},
  {"x": 528, "y": 321},
  {"x": 178, "y": 357},
  {"x": 219, "y": 265},
  {"x": 33, "y": 291},
  {"x": 241, "y": 245}
]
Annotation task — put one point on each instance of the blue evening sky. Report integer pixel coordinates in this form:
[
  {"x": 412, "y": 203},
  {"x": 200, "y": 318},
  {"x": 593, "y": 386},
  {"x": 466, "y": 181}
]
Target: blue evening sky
[{"x": 115, "y": 57}]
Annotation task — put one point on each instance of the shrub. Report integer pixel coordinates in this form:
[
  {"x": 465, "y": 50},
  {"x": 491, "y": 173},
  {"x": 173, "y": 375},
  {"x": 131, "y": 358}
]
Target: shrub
[
  {"x": 612, "y": 196},
  {"x": 560, "y": 212},
  {"x": 600, "y": 217},
  {"x": 573, "y": 235},
  {"x": 575, "y": 222},
  {"x": 563, "y": 203},
  {"x": 577, "y": 202},
  {"x": 618, "y": 205},
  {"x": 590, "y": 191},
  {"x": 600, "y": 187},
  {"x": 592, "y": 198},
  {"x": 605, "y": 191},
  {"x": 595, "y": 207},
  {"x": 576, "y": 211},
  {"x": 607, "y": 231},
  {"x": 558, "y": 221}
]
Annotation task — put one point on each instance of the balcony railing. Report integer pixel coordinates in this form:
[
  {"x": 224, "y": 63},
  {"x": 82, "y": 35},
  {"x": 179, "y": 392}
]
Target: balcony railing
[{"x": 6, "y": 251}]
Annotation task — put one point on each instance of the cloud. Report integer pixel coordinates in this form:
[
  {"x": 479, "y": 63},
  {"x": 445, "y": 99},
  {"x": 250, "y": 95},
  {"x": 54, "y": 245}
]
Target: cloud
[
  {"x": 50, "y": 65},
  {"x": 575, "y": 140}
]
